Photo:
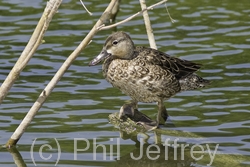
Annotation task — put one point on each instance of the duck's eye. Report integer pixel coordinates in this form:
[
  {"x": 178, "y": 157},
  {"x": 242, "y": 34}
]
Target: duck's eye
[{"x": 115, "y": 42}]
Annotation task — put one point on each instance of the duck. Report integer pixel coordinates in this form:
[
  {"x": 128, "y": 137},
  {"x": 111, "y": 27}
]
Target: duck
[{"x": 146, "y": 74}]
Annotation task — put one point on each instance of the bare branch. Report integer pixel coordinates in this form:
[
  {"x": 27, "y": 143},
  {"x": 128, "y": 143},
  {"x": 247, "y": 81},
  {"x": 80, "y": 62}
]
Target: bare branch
[
  {"x": 48, "y": 89},
  {"x": 26, "y": 55},
  {"x": 34, "y": 42},
  {"x": 131, "y": 17},
  {"x": 148, "y": 25}
]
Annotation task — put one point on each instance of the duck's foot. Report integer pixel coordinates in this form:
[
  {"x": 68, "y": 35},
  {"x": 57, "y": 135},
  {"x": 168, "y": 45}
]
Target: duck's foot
[
  {"x": 148, "y": 125},
  {"x": 128, "y": 110}
]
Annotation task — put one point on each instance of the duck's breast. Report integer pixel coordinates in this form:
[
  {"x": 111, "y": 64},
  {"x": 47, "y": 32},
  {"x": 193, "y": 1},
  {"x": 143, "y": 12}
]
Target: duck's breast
[{"x": 141, "y": 80}]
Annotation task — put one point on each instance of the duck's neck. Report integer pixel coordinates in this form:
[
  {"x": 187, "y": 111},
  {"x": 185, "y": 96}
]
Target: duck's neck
[{"x": 105, "y": 65}]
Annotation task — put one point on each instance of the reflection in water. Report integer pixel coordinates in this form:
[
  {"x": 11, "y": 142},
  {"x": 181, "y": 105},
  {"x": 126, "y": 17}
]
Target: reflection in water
[
  {"x": 170, "y": 151},
  {"x": 156, "y": 155},
  {"x": 213, "y": 33},
  {"x": 174, "y": 151},
  {"x": 17, "y": 157}
]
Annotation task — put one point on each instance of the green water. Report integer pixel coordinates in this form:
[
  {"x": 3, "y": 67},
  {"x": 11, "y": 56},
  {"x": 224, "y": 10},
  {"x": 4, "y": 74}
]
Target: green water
[{"x": 213, "y": 33}]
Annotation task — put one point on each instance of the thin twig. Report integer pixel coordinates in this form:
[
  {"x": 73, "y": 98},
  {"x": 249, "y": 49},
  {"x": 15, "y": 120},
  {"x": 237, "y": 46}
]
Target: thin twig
[
  {"x": 86, "y": 8},
  {"x": 172, "y": 20},
  {"x": 131, "y": 17}
]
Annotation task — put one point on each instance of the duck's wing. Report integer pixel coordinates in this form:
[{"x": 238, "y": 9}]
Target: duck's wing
[{"x": 180, "y": 68}]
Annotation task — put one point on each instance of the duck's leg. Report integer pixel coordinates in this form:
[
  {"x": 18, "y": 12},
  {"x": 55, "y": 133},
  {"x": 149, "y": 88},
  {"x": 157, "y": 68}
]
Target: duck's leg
[{"x": 162, "y": 113}]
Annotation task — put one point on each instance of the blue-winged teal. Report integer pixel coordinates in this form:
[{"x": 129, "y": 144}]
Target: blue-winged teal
[{"x": 146, "y": 74}]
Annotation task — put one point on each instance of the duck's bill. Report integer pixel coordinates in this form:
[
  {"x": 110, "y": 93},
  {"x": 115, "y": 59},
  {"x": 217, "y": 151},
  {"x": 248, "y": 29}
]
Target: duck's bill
[{"x": 104, "y": 54}]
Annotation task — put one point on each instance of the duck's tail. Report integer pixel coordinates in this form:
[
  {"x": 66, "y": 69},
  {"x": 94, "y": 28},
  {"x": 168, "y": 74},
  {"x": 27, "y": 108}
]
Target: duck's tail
[{"x": 193, "y": 81}]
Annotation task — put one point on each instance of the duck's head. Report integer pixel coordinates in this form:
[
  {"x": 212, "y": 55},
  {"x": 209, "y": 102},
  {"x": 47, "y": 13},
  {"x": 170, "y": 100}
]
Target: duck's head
[{"x": 119, "y": 45}]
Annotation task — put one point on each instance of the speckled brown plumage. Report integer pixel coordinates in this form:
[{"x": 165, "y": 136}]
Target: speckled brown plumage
[{"x": 145, "y": 74}]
